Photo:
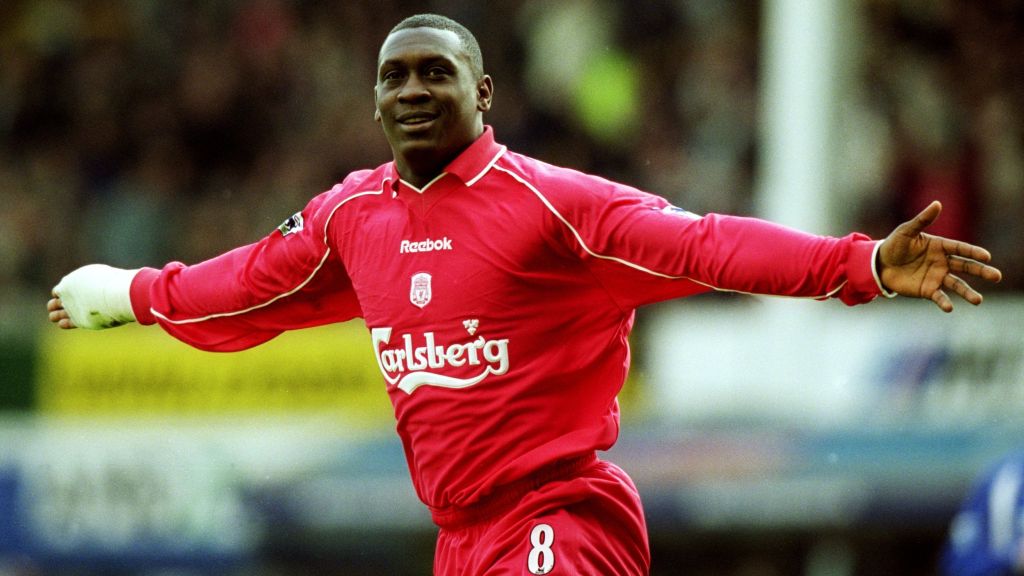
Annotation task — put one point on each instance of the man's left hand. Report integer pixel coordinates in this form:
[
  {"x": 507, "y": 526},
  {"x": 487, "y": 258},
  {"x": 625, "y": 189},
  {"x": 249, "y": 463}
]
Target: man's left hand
[{"x": 921, "y": 265}]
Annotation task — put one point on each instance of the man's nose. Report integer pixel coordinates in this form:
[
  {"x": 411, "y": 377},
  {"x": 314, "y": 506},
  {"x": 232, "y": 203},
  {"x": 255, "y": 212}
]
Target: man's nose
[{"x": 414, "y": 89}]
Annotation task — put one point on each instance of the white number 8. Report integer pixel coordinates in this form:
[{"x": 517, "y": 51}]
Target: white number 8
[{"x": 541, "y": 559}]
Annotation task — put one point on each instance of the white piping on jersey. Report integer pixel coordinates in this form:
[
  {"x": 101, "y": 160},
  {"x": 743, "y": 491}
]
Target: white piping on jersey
[
  {"x": 301, "y": 285},
  {"x": 425, "y": 186},
  {"x": 469, "y": 183},
  {"x": 634, "y": 265},
  {"x": 490, "y": 164}
]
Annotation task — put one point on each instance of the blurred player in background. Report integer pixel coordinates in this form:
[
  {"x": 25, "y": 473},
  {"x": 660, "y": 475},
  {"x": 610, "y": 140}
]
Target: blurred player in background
[
  {"x": 987, "y": 535},
  {"x": 499, "y": 292}
]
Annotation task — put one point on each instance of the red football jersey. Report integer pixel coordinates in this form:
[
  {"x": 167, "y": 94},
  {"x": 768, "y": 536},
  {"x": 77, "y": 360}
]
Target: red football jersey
[{"x": 499, "y": 299}]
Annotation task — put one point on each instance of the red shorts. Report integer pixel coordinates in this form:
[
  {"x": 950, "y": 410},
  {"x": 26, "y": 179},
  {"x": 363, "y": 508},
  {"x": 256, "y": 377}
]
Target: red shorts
[{"x": 587, "y": 522}]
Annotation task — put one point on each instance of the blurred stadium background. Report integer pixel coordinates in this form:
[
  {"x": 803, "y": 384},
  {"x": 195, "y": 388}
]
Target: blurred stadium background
[{"x": 768, "y": 438}]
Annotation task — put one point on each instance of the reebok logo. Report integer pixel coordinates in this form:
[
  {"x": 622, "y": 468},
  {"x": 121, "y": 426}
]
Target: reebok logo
[{"x": 428, "y": 245}]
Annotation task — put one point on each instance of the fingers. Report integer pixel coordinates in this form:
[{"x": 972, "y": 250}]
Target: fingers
[
  {"x": 959, "y": 287},
  {"x": 966, "y": 265},
  {"x": 962, "y": 289},
  {"x": 924, "y": 219},
  {"x": 58, "y": 315},
  {"x": 953, "y": 283},
  {"x": 957, "y": 248},
  {"x": 942, "y": 301}
]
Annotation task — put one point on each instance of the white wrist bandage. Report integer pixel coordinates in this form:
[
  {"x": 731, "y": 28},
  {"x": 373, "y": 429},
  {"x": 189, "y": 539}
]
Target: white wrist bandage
[{"x": 97, "y": 296}]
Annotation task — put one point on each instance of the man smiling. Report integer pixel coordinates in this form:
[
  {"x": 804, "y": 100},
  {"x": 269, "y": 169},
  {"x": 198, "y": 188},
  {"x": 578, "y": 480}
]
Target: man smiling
[
  {"x": 503, "y": 349},
  {"x": 431, "y": 94}
]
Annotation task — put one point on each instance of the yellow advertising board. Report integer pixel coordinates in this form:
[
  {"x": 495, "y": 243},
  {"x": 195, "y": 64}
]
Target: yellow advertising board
[{"x": 135, "y": 370}]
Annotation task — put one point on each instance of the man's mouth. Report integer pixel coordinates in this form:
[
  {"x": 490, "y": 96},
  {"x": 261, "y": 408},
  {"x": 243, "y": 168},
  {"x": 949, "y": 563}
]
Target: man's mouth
[{"x": 415, "y": 118}]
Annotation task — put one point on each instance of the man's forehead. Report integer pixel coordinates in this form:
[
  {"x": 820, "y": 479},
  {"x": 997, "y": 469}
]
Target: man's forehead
[{"x": 421, "y": 41}]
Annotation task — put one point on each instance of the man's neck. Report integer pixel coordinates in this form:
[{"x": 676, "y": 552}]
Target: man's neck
[
  {"x": 417, "y": 179},
  {"x": 419, "y": 166},
  {"x": 419, "y": 171}
]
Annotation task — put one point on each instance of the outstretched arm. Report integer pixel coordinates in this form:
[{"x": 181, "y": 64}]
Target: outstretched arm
[
  {"x": 913, "y": 263},
  {"x": 289, "y": 279}
]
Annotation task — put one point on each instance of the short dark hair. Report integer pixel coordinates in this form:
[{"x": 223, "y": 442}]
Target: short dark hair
[{"x": 438, "y": 22}]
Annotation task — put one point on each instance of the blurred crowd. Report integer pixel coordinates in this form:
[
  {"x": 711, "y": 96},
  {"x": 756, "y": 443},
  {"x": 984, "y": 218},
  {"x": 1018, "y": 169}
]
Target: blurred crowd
[{"x": 135, "y": 132}]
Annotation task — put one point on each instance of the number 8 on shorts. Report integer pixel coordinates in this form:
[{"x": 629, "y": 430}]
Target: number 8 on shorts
[{"x": 542, "y": 558}]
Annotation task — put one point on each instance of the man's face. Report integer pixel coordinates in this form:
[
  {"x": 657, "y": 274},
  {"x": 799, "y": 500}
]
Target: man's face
[{"x": 429, "y": 101}]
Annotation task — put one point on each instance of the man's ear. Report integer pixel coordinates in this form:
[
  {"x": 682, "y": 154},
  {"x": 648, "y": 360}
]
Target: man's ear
[
  {"x": 376, "y": 109},
  {"x": 484, "y": 93}
]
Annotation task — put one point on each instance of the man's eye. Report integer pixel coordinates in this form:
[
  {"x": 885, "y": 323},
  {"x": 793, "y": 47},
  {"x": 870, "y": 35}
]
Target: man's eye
[
  {"x": 391, "y": 75},
  {"x": 436, "y": 72}
]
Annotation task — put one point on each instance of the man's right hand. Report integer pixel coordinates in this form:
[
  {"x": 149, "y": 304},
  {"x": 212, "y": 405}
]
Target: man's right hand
[
  {"x": 93, "y": 297},
  {"x": 58, "y": 315}
]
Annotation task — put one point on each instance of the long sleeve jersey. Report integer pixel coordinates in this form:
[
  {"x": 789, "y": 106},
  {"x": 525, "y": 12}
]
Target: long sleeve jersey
[{"x": 498, "y": 298}]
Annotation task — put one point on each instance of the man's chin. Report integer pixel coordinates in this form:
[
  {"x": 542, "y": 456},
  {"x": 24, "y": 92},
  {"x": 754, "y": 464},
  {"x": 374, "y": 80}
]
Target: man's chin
[
  {"x": 417, "y": 147},
  {"x": 402, "y": 139}
]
